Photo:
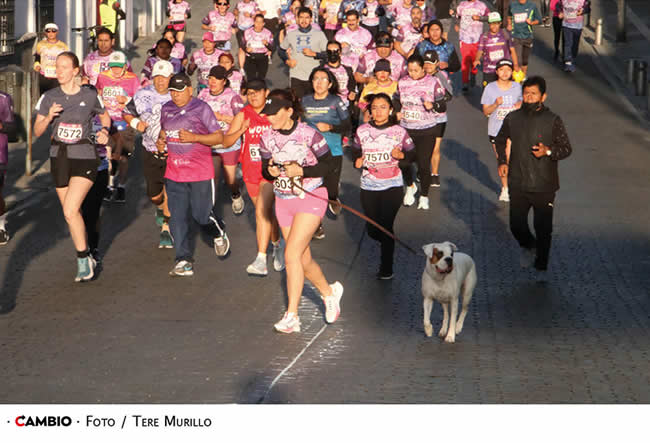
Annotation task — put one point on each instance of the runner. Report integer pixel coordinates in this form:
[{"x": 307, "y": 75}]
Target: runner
[
  {"x": 470, "y": 14},
  {"x": 410, "y": 34},
  {"x": 7, "y": 126},
  {"x": 250, "y": 124},
  {"x": 188, "y": 129},
  {"x": 500, "y": 98},
  {"x": 143, "y": 114},
  {"x": 117, "y": 87},
  {"x": 225, "y": 104},
  {"x": 245, "y": 12},
  {"x": 385, "y": 147},
  {"x": 292, "y": 152},
  {"x": 221, "y": 23},
  {"x": 271, "y": 10},
  {"x": 401, "y": 10},
  {"x": 97, "y": 61},
  {"x": 178, "y": 11},
  {"x": 446, "y": 52},
  {"x": 45, "y": 54},
  {"x": 351, "y": 5},
  {"x": 303, "y": 46},
  {"x": 493, "y": 46},
  {"x": 354, "y": 40},
  {"x": 572, "y": 14},
  {"x": 381, "y": 82},
  {"x": 234, "y": 76},
  {"x": 325, "y": 111},
  {"x": 70, "y": 110},
  {"x": 558, "y": 42},
  {"x": 522, "y": 16},
  {"x": 383, "y": 50},
  {"x": 422, "y": 98},
  {"x": 329, "y": 12},
  {"x": 178, "y": 48},
  {"x": 289, "y": 23},
  {"x": 162, "y": 51},
  {"x": 204, "y": 59},
  {"x": 344, "y": 74},
  {"x": 370, "y": 16},
  {"x": 427, "y": 11},
  {"x": 258, "y": 44}
]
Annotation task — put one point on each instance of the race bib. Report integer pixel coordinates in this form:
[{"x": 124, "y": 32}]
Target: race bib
[
  {"x": 254, "y": 151},
  {"x": 378, "y": 158},
  {"x": 204, "y": 76},
  {"x": 412, "y": 115},
  {"x": 521, "y": 17},
  {"x": 285, "y": 185},
  {"x": 256, "y": 44},
  {"x": 502, "y": 112},
  {"x": 497, "y": 55},
  {"x": 49, "y": 71},
  {"x": 69, "y": 132},
  {"x": 112, "y": 91},
  {"x": 571, "y": 15}
]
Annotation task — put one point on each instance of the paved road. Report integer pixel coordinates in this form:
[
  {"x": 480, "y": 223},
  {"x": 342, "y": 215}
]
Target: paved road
[{"x": 136, "y": 335}]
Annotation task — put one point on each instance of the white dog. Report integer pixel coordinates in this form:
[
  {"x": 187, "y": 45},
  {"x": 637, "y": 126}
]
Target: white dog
[{"x": 445, "y": 275}]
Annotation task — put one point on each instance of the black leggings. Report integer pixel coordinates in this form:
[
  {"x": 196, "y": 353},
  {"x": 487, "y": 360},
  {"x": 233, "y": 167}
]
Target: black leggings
[
  {"x": 425, "y": 141},
  {"x": 91, "y": 207},
  {"x": 558, "y": 40},
  {"x": 332, "y": 179},
  {"x": 256, "y": 66},
  {"x": 382, "y": 207}
]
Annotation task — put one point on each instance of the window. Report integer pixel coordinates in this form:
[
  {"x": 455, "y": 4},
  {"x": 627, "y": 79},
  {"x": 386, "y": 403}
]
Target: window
[{"x": 7, "y": 38}]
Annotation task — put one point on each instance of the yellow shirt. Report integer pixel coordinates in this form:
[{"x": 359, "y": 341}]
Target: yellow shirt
[
  {"x": 49, "y": 52},
  {"x": 374, "y": 88},
  {"x": 108, "y": 15}
]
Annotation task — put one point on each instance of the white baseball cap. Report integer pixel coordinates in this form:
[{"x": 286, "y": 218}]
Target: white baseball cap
[
  {"x": 51, "y": 26},
  {"x": 118, "y": 59},
  {"x": 162, "y": 67},
  {"x": 494, "y": 17}
]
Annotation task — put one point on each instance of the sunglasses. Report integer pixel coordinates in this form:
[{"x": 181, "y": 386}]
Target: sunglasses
[
  {"x": 222, "y": 4},
  {"x": 50, "y": 30}
]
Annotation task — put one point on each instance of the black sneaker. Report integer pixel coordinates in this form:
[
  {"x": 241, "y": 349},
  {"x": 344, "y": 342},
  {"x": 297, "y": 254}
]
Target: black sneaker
[
  {"x": 108, "y": 196},
  {"x": 435, "y": 181},
  {"x": 320, "y": 233},
  {"x": 4, "y": 237},
  {"x": 120, "y": 195}
]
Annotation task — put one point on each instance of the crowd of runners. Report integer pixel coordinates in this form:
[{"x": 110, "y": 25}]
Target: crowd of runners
[{"x": 370, "y": 79}]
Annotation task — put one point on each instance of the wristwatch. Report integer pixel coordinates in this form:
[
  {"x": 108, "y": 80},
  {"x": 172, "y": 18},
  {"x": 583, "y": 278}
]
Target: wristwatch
[{"x": 548, "y": 152}]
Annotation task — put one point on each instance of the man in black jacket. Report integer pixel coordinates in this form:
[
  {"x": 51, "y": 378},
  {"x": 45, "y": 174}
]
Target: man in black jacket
[{"x": 538, "y": 140}]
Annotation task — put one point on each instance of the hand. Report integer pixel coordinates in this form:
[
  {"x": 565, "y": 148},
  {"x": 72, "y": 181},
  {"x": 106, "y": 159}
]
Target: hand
[
  {"x": 580, "y": 12},
  {"x": 213, "y": 28},
  {"x": 54, "y": 111},
  {"x": 293, "y": 169},
  {"x": 517, "y": 68},
  {"x": 451, "y": 12},
  {"x": 498, "y": 101},
  {"x": 457, "y": 28},
  {"x": 37, "y": 68},
  {"x": 187, "y": 136},
  {"x": 323, "y": 127},
  {"x": 249, "y": 49},
  {"x": 503, "y": 170},
  {"x": 398, "y": 116},
  {"x": 121, "y": 99},
  {"x": 161, "y": 143},
  {"x": 476, "y": 63},
  {"x": 265, "y": 42},
  {"x": 443, "y": 65},
  {"x": 226, "y": 118},
  {"x": 529, "y": 21},
  {"x": 518, "y": 104},
  {"x": 274, "y": 170},
  {"x": 539, "y": 150},
  {"x": 509, "y": 27},
  {"x": 560, "y": 15},
  {"x": 344, "y": 45},
  {"x": 397, "y": 153},
  {"x": 101, "y": 137},
  {"x": 352, "y": 96},
  {"x": 291, "y": 63},
  {"x": 308, "y": 52},
  {"x": 476, "y": 18},
  {"x": 142, "y": 126},
  {"x": 358, "y": 163},
  {"x": 428, "y": 105}
]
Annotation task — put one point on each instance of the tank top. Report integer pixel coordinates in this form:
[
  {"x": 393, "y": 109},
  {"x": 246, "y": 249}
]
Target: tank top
[{"x": 251, "y": 161}]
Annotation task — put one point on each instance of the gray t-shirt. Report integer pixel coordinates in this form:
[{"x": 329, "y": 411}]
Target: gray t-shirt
[
  {"x": 75, "y": 122},
  {"x": 510, "y": 98},
  {"x": 297, "y": 41}
]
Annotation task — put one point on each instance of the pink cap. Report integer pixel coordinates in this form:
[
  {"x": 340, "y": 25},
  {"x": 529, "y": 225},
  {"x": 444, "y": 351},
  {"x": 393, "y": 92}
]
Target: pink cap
[{"x": 208, "y": 36}]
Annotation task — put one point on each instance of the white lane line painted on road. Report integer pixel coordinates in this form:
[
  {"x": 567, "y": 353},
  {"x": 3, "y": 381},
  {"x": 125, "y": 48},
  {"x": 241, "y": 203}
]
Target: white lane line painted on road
[{"x": 284, "y": 371}]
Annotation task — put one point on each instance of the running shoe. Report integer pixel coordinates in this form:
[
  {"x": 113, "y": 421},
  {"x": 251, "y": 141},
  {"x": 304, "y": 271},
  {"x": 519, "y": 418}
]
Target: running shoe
[
  {"x": 472, "y": 80},
  {"x": 465, "y": 89},
  {"x": 166, "y": 240},
  {"x": 4, "y": 237},
  {"x": 527, "y": 257},
  {"x": 108, "y": 196},
  {"x": 385, "y": 276},
  {"x": 238, "y": 204},
  {"x": 258, "y": 267},
  {"x": 85, "y": 269},
  {"x": 320, "y": 233},
  {"x": 505, "y": 195},
  {"x": 221, "y": 245},
  {"x": 423, "y": 203},
  {"x": 333, "y": 303},
  {"x": 120, "y": 195},
  {"x": 183, "y": 268},
  {"x": 290, "y": 323},
  {"x": 160, "y": 217},
  {"x": 278, "y": 256},
  {"x": 409, "y": 195},
  {"x": 335, "y": 208},
  {"x": 435, "y": 181},
  {"x": 96, "y": 256}
]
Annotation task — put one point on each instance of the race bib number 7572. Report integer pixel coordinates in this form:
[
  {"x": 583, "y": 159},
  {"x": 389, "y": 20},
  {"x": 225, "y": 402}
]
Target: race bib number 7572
[{"x": 69, "y": 132}]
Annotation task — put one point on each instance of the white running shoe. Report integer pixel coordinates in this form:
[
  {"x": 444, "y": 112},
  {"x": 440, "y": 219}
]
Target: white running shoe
[
  {"x": 278, "y": 256},
  {"x": 333, "y": 303},
  {"x": 238, "y": 205},
  {"x": 423, "y": 203},
  {"x": 183, "y": 268},
  {"x": 409, "y": 196},
  {"x": 258, "y": 267},
  {"x": 290, "y": 323},
  {"x": 505, "y": 195},
  {"x": 221, "y": 245}
]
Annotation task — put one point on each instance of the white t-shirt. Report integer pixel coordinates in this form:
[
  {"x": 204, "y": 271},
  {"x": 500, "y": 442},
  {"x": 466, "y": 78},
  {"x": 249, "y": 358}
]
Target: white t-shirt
[{"x": 270, "y": 6}]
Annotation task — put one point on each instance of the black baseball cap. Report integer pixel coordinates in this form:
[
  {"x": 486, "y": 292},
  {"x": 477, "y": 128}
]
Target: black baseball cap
[
  {"x": 431, "y": 56},
  {"x": 382, "y": 65},
  {"x": 274, "y": 104},
  {"x": 384, "y": 41},
  {"x": 218, "y": 72},
  {"x": 505, "y": 62},
  {"x": 179, "y": 82},
  {"x": 256, "y": 84}
]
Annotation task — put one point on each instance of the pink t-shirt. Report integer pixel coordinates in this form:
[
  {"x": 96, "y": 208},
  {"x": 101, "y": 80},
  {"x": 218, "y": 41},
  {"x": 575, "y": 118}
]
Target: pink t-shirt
[
  {"x": 251, "y": 8},
  {"x": 111, "y": 87},
  {"x": 409, "y": 37},
  {"x": 227, "y": 103},
  {"x": 397, "y": 64},
  {"x": 470, "y": 29},
  {"x": 188, "y": 162},
  {"x": 401, "y": 13},
  {"x": 359, "y": 40},
  {"x": 412, "y": 95},
  {"x": 371, "y": 18},
  {"x": 177, "y": 11},
  {"x": 223, "y": 23},
  {"x": 94, "y": 64},
  {"x": 204, "y": 63},
  {"x": 255, "y": 40}
]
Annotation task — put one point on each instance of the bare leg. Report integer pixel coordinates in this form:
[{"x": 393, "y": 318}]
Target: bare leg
[
  {"x": 241, "y": 57},
  {"x": 71, "y": 198},
  {"x": 445, "y": 320},
  {"x": 264, "y": 217},
  {"x": 180, "y": 36},
  {"x": 428, "y": 305},
  {"x": 435, "y": 156},
  {"x": 230, "y": 178}
]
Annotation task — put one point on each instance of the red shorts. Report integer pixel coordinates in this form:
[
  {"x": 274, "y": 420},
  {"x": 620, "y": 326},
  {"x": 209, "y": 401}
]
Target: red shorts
[
  {"x": 253, "y": 189},
  {"x": 287, "y": 208}
]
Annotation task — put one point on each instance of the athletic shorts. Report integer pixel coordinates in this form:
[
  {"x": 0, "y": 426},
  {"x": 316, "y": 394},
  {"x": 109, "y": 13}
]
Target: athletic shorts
[
  {"x": 128, "y": 141},
  {"x": 523, "y": 48},
  {"x": 3, "y": 174},
  {"x": 230, "y": 158},
  {"x": 287, "y": 208},
  {"x": 153, "y": 170},
  {"x": 438, "y": 131},
  {"x": 62, "y": 168},
  {"x": 177, "y": 26},
  {"x": 253, "y": 189}
]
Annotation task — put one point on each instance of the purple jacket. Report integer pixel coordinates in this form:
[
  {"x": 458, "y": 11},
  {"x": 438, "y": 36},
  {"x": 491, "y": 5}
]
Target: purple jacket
[{"x": 8, "y": 124}]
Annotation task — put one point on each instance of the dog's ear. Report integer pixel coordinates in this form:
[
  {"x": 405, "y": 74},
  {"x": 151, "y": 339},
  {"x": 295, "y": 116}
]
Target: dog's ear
[
  {"x": 452, "y": 246},
  {"x": 428, "y": 249}
]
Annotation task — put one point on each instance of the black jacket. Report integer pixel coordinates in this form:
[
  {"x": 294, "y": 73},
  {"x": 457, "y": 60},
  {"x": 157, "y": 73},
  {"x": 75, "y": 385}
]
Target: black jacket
[{"x": 526, "y": 172}]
